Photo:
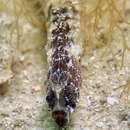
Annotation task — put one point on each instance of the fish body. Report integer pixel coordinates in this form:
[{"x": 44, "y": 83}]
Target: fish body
[{"x": 64, "y": 76}]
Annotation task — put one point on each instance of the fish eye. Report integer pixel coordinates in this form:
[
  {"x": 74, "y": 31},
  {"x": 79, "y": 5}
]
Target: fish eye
[{"x": 51, "y": 98}]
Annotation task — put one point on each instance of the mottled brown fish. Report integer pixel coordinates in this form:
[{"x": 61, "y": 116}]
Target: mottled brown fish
[{"x": 64, "y": 77}]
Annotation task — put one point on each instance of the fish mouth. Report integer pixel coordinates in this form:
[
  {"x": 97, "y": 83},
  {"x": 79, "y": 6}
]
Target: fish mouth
[{"x": 60, "y": 117}]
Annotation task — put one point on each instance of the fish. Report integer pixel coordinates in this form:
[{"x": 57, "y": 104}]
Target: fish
[{"x": 64, "y": 73}]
